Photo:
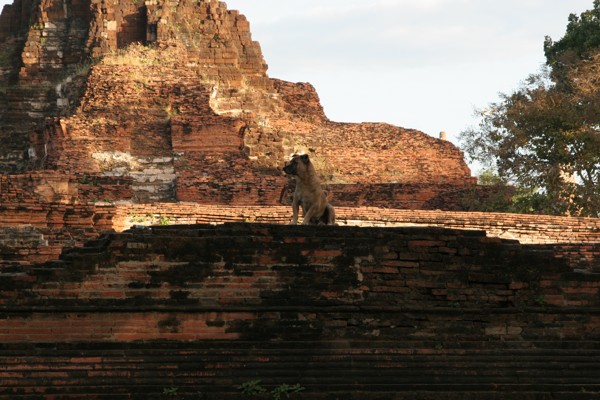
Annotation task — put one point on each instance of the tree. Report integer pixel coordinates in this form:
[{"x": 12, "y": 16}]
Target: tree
[
  {"x": 581, "y": 38},
  {"x": 544, "y": 138}
]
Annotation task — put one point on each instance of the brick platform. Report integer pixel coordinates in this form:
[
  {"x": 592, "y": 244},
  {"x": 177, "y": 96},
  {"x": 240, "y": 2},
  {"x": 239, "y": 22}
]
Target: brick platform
[
  {"x": 346, "y": 312},
  {"x": 576, "y": 240},
  {"x": 176, "y": 124}
]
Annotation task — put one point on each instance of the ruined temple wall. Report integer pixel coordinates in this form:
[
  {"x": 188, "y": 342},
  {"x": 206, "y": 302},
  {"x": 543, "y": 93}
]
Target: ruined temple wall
[
  {"x": 528, "y": 229},
  {"x": 14, "y": 22},
  {"x": 55, "y": 40},
  {"x": 14, "y": 18},
  {"x": 48, "y": 41},
  {"x": 394, "y": 155},
  {"x": 233, "y": 180},
  {"x": 353, "y": 153},
  {"x": 301, "y": 100},
  {"x": 61, "y": 37},
  {"x": 45, "y": 188},
  {"x": 201, "y": 87},
  {"x": 346, "y": 312},
  {"x": 36, "y": 232},
  {"x": 357, "y": 256},
  {"x": 575, "y": 240},
  {"x": 60, "y": 34}
]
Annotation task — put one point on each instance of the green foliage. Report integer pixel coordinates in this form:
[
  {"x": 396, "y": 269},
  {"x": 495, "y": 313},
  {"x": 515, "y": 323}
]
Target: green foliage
[
  {"x": 164, "y": 220},
  {"x": 286, "y": 390},
  {"x": 489, "y": 178},
  {"x": 83, "y": 68},
  {"x": 252, "y": 388},
  {"x": 544, "y": 138},
  {"x": 171, "y": 391},
  {"x": 504, "y": 197},
  {"x": 540, "y": 300},
  {"x": 581, "y": 38},
  {"x": 255, "y": 388}
]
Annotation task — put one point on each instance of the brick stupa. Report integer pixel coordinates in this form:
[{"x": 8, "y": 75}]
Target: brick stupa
[
  {"x": 107, "y": 103},
  {"x": 171, "y": 101},
  {"x": 118, "y": 114}
]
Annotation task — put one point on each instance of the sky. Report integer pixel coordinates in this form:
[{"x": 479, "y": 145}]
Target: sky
[{"x": 421, "y": 64}]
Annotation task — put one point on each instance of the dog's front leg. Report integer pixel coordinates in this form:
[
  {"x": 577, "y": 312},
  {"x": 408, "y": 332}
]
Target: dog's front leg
[
  {"x": 309, "y": 215},
  {"x": 295, "y": 209}
]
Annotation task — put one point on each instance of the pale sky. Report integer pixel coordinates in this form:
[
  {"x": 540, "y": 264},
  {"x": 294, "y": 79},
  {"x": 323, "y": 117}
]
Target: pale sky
[{"x": 422, "y": 64}]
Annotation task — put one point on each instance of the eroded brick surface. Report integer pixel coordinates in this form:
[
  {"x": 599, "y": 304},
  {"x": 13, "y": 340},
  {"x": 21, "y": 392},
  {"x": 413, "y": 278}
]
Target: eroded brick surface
[
  {"x": 577, "y": 240},
  {"x": 121, "y": 114},
  {"x": 178, "y": 99},
  {"x": 343, "y": 311}
]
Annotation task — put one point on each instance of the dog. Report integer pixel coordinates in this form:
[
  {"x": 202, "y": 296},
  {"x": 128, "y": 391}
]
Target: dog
[{"x": 309, "y": 193}]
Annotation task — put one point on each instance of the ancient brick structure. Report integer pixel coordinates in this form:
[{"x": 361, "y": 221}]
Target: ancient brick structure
[
  {"x": 176, "y": 96},
  {"x": 126, "y": 114},
  {"x": 345, "y": 312},
  {"x": 576, "y": 240}
]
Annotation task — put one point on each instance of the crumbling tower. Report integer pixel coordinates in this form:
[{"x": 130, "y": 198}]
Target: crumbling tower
[{"x": 171, "y": 101}]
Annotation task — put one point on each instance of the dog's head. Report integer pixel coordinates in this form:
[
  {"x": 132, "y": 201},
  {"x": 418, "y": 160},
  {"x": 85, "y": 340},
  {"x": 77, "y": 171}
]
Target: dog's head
[{"x": 297, "y": 164}]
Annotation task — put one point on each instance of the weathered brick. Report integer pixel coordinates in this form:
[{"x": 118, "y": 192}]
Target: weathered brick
[{"x": 349, "y": 312}]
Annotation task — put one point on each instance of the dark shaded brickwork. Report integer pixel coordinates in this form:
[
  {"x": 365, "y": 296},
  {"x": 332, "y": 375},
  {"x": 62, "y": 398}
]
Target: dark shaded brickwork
[
  {"x": 116, "y": 114},
  {"x": 347, "y": 312}
]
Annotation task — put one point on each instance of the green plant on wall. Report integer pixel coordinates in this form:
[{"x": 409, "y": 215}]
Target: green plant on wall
[
  {"x": 255, "y": 388},
  {"x": 171, "y": 392},
  {"x": 540, "y": 300},
  {"x": 164, "y": 220},
  {"x": 252, "y": 388},
  {"x": 285, "y": 390}
]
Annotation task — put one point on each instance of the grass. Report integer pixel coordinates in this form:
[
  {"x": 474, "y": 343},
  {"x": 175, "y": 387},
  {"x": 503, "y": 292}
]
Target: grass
[{"x": 141, "y": 56}]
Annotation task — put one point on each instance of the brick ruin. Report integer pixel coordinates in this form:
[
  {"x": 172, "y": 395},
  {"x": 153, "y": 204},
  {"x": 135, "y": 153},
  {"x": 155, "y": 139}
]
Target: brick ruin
[
  {"x": 169, "y": 101},
  {"x": 118, "y": 115},
  {"x": 174, "y": 96},
  {"x": 345, "y": 312}
]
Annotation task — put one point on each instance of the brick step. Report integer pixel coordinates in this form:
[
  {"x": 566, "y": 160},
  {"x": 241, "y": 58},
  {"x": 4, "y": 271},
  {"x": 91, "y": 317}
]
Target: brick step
[
  {"x": 220, "y": 375},
  {"x": 158, "y": 393},
  {"x": 425, "y": 392},
  {"x": 21, "y": 237},
  {"x": 156, "y": 181},
  {"x": 331, "y": 373},
  {"x": 352, "y": 348},
  {"x": 130, "y": 383},
  {"x": 308, "y": 358}
]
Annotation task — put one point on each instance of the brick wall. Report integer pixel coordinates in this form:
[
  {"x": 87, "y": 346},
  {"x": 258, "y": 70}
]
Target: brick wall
[
  {"x": 346, "y": 312},
  {"x": 44, "y": 230},
  {"x": 56, "y": 39},
  {"x": 154, "y": 112},
  {"x": 14, "y": 18},
  {"x": 576, "y": 240}
]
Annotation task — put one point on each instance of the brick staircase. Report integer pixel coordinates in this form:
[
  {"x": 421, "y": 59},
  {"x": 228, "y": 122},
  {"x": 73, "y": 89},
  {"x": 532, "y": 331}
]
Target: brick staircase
[{"x": 346, "y": 312}]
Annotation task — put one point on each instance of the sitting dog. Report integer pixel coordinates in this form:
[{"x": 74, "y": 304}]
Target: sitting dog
[{"x": 309, "y": 193}]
